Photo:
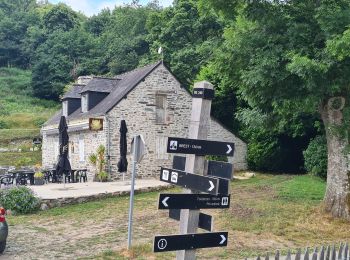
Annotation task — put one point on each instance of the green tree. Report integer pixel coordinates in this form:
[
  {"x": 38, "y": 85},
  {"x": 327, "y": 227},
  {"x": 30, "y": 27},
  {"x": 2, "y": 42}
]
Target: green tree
[
  {"x": 292, "y": 57},
  {"x": 15, "y": 18},
  {"x": 187, "y": 37},
  {"x": 62, "y": 58},
  {"x": 124, "y": 38},
  {"x": 60, "y": 17}
]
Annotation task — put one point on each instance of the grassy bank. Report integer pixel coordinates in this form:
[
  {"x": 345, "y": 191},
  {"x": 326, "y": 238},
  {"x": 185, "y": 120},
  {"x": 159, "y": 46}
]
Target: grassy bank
[
  {"x": 267, "y": 212},
  {"x": 21, "y": 116}
]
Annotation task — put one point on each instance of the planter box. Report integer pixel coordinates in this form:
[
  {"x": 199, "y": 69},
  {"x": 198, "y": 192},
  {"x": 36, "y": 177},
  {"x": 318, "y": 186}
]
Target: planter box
[{"x": 39, "y": 181}]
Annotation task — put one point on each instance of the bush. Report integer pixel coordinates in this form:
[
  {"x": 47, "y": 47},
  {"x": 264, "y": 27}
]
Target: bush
[
  {"x": 20, "y": 200},
  {"x": 315, "y": 157}
]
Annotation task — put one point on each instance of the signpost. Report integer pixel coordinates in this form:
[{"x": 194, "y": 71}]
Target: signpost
[
  {"x": 193, "y": 201},
  {"x": 185, "y": 207},
  {"x": 204, "y": 221},
  {"x": 208, "y": 184},
  {"x": 190, "y": 241},
  {"x": 199, "y": 147},
  {"x": 204, "y": 93},
  {"x": 138, "y": 149},
  {"x": 214, "y": 168},
  {"x": 220, "y": 169}
]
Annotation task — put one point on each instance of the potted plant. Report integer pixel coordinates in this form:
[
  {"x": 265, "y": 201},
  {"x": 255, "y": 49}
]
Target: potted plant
[
  {"x": 98, "y": 160},
  {"x": 39, "y": 178}
]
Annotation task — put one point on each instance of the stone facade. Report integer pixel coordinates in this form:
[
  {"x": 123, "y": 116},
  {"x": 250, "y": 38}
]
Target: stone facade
[{"x": 139, "y": 109}]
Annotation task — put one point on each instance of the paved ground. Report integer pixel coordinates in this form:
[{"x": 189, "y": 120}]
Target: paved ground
[{"x": 69, "y": 190}]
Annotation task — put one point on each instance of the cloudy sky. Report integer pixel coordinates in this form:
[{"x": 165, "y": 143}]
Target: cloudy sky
[{"x": 90, "y": 7}]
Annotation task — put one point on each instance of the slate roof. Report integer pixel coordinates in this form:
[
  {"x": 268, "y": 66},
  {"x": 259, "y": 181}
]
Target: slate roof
[
  {"x": 101, "y": 84},
  {"x": 118, "y": 87},
  {"x": 74, "y": 92}
]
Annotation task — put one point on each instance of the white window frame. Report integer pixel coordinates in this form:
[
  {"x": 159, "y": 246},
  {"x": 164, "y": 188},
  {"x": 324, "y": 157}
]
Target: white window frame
[
  {"x": 56, "y": 150},
  {"x": 65, "y": 108},
  {"x": 81, "y": 148},
  {"x": 84, "y": 102}
]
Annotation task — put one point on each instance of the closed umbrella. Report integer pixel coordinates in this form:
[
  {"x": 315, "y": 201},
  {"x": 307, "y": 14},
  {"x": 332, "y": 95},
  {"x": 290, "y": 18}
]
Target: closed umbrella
[
  {"x": 123, "y": 162},
  {"x": 63, "y": 165}
]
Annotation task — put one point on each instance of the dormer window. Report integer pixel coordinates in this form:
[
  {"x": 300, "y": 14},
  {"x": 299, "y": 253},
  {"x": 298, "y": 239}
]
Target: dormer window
[
  {"x": 84, "y": 102},
  {"x": 65, "y": 108}
]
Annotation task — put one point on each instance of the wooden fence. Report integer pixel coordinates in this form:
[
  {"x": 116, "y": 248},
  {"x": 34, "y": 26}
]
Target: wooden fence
[{"x": 323, "y": 253}]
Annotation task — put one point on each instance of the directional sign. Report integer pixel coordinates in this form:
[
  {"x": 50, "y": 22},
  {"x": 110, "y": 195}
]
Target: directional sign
[
  {"x": 199, "y": 147},
  {"x": 204, "y": 222},
  {"x": 201, "y": 183},
  {"x": 220, "y": 169},
  {"x": 215, "y": 168},
  {"x": 190, "y": 241},
  {"x": 204, "y": 93},
  {"x": 193, "y": 201}
]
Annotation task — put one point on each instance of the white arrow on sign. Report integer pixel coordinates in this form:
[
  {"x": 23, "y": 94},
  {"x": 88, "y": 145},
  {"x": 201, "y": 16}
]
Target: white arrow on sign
[
  {"x": 223, "y": 239},
  {"x": 164, "y": 201},
  {"x": 212, "y": 186},
  {"x": 229, "y": 149}
]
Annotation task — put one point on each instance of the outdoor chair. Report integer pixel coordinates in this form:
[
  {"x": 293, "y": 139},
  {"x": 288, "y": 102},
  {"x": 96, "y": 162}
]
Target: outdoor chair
[
  {"x": 81, "y": 175},
  {"x": 22, "y": 179},
  {"x": 48, "y": 175},
  {"x": 6, "y": 180},
  {"x": 67, "y": 176}
]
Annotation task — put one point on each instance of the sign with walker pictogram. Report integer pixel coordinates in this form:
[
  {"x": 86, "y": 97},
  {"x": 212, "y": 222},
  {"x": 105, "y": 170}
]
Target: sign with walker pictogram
[{"x": 202, "y": 191}]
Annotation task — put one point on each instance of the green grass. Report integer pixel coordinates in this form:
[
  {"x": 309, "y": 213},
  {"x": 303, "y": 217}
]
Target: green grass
[
  {"x": 10, "y": 135},
  {"x": 21, "y": 116},
  {"x": 19, "y": 109},
  {"x": 267, "y": 212},
  {"x": 304, "y": 187},
  {"x": 20, "y": 158}
]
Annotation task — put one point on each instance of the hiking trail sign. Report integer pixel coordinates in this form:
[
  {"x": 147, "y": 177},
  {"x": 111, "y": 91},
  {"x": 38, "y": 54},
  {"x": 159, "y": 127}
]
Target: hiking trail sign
[
  {"x": 193, "y": 201},
  {"x": 208, "y": 184},
  {"x": 190, "y": 241},
  {"x": 186, "y": 206},
  {"x": 199, "y": 147}
]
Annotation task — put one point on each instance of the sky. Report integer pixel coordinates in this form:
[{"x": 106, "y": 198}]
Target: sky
[{"x": 91, "y": 7}]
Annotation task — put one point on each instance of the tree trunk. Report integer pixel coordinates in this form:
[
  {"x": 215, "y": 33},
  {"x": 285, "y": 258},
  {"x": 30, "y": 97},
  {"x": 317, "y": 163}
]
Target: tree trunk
[{"x": 337, "y": 198}]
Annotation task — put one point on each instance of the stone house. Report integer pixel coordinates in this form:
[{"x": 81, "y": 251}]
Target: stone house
[{"x": 151, "y": 101}]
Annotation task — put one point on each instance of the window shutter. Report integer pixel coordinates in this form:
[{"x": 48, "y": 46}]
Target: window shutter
[{"x": 160, "y": 108}]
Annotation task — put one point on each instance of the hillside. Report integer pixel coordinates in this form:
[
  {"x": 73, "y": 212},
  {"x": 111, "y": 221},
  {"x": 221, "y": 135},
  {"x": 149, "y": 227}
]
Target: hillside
[{"x": 21, "y": 116}]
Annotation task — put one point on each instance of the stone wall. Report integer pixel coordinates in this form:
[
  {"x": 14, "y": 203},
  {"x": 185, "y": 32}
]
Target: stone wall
[{"x": 91, "y": 141}]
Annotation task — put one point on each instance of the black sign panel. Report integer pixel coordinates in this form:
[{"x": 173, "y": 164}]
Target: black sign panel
[
  {"x": 203, "y": 93},
  {"x": 191, "y": 181},
  {"x": 215, "y": 168},
  {"x": 199, "y": 147},
  {"x": 220, "y": 169},
  {"x": 193, "y": 201},
  {"x": 190, "y": 241},
  {"x": 204, "y": 222},
  {"x": 179, "y": 162}
]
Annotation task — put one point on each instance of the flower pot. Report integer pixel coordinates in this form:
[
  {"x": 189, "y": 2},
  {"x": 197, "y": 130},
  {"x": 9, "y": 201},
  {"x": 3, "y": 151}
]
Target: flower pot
[{"x": 39, "y": 181}]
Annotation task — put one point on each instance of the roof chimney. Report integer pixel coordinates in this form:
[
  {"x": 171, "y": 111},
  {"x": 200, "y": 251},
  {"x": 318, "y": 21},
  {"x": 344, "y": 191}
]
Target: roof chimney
[{"x": 84, "y": 80}]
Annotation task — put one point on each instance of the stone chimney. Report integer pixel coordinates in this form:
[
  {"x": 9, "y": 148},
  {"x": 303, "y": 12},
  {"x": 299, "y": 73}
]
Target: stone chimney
[{"x": 84, "y": 80}]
